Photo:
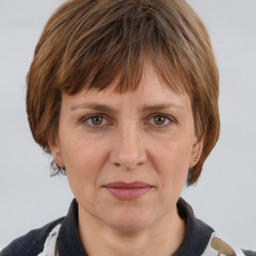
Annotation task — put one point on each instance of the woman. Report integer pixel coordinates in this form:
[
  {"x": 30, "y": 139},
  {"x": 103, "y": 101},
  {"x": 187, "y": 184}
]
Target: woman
[{"x": 124, "y": 95}]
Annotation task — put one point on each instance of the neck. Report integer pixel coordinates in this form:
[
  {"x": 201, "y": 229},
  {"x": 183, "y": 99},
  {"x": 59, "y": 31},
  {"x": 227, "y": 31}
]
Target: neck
[{"x": 162, "y": 238}]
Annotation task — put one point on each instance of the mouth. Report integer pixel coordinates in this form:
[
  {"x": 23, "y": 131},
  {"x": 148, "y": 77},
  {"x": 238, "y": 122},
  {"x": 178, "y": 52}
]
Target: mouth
[{"x": 128, "y": 191}]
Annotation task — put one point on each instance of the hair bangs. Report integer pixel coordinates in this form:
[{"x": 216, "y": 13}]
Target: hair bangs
[{"x": 120, "y": 49}]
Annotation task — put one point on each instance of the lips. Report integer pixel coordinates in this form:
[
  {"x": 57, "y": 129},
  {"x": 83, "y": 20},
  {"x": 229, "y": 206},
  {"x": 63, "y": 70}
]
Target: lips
[{"x": 128, "y": 191}]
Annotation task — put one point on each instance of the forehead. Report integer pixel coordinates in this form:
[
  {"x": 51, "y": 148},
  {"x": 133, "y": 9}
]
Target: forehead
[
  {"x": 152, "y": 92},
  {"x": 151, "y": 82}
]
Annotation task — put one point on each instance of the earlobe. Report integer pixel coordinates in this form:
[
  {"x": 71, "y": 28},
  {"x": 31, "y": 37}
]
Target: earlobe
[
  {"x": 196, "y": 151},
  {"x": 56, "y": 153}
]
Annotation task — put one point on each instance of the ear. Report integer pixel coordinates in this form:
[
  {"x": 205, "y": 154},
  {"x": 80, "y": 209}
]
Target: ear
[
  {"x": 56, "y": 153},
  {"x": 196, "y": 151}
]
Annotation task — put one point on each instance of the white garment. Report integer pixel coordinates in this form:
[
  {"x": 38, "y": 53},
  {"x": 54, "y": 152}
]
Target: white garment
[
  {"x": 50, "y": 243},
  {"x": 211, "y": 251}
]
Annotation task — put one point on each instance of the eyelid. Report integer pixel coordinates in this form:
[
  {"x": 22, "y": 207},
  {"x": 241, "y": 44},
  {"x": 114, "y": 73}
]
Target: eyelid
[{"x": 85, "y": 118}]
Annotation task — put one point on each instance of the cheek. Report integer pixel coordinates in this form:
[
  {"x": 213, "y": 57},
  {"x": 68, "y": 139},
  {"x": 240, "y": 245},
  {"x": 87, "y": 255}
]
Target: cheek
[
  {"x": 83, "y": 159},
  {"x": 84, "y": 167},
  {"x": 171, "y": 161}
]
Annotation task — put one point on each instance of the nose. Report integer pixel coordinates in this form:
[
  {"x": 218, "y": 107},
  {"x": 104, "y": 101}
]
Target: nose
[{"x": 128, "y": 149}]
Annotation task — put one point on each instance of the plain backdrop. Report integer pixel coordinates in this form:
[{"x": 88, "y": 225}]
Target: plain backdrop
[{"x": 225, "y": 196}]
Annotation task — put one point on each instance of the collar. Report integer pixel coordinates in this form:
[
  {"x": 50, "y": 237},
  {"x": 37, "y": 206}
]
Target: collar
[
  {"x": 197, "y": 234},
  {"x": 69, "y": 242}
]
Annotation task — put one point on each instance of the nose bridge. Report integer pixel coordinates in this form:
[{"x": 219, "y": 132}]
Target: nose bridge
[{"x": 128, "y": 150}]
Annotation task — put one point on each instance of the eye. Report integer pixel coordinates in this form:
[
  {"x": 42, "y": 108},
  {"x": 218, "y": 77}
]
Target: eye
[
  {"x": 95, "y": 121},
  {"x": 160, "y": 120}
]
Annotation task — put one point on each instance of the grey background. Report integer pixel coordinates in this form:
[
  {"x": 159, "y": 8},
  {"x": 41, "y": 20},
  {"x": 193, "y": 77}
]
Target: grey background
[{"x": 225, "y": 196}]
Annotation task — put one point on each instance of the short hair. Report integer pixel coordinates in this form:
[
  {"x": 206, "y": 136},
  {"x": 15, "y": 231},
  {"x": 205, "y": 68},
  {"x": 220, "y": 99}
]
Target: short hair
[{"x": 87, "y": 43}]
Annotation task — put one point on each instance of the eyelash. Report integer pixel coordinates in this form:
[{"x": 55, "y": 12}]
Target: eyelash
[{"x": 169, "y": 119}]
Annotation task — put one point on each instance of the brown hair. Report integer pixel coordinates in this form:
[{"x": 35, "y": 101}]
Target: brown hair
[{"x": 87, "y": 43}]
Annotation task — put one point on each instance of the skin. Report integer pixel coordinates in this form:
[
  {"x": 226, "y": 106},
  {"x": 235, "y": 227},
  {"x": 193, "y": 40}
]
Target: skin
[{"x": 146, "y": 135}]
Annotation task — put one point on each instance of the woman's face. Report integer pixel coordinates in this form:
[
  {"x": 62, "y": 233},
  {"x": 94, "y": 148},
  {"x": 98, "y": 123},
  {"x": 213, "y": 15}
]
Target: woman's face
[{"x": 127, "y": 155}]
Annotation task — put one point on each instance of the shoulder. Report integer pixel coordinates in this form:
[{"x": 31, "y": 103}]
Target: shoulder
[
  {"x": 217, "y": 246},
  {"x": 30, "y": 244},
  {"x": 201, "y": 239}
]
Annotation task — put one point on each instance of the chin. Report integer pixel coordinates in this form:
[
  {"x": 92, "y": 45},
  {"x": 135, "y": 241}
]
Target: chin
[
  {"x": 129, "y": 220},
  {"x": 129, "y": 226}
]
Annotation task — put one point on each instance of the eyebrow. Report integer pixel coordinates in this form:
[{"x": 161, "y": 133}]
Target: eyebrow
[
  {"x": 145, "y": 108},
  {"x": 94, "y": 106},
  {"x": 158, "y": 107}
]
